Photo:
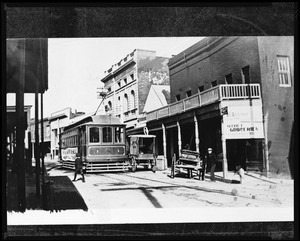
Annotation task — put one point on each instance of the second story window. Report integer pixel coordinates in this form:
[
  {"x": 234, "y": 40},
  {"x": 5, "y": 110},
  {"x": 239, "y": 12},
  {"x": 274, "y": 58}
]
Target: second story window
[
  {"x": 126, "y": 104},
  {"x": 133, "y": 99},
  {"x": 132, "y": 77},
  {"x": 119, "y": 84},
  {"x": 228, "y": 79},
  {"x": 109, "y": 105},
  {"x": 214, "y": 83},
  {"x": 177, "y": 97},
  {"x": 201, "y": 88},
  {"x": 246, "y": 75},
  {"x": 125, "y": 81},
  {"x": 284, "y": 71},
  {"x": 188, "y": 93},
  {"x": 119, "y": 105}
]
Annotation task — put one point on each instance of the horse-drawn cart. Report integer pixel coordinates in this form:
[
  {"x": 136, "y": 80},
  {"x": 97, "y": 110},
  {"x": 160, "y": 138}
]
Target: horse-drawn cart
[
  {"x": 189, "y": 161},
  {"x": 142, "y": 152}
]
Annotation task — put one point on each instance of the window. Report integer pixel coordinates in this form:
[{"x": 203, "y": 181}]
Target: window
[
  {"x": 132, "y": 77},
  {"x": 125, "y": 81},
  {"x": 107, "y": 134},
  {"x": 284, "y": 71},
  {"x": 133, "y": 99},
  {"x": 246, "y": 75},
  {"x": 188, "y": 93},
  {"x": 178, "y": 97},
  {"x": 119, "y": 105},
  {"x": 119, "y": 134},
  {"x": 126, "y": 104},
  {"x": 119, "y": 84},
  {"x": 94, "y": 134},
  {"x": 109, "y": 89},
  {"x": 214, "y": 83},
  {"x": 109, "y": 105},
  {"x": 201, "y": 88},
  {"x": 228, "y": 79}
]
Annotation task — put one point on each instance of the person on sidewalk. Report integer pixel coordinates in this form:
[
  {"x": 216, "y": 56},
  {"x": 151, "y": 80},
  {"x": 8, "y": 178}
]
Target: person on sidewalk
[
  {"x": 240, "y": 171},
  {"x": 204, "y": 166},
  {"x": 212, "y": 159},
  {"x": 78, "y": 167}
]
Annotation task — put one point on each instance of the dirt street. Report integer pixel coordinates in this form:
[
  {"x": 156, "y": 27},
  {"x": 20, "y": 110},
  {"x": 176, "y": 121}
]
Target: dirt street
[{"x": 145, "y": 189}]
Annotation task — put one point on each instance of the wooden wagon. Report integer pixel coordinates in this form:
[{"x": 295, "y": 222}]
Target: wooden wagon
[{"x": 189, "y": 161}]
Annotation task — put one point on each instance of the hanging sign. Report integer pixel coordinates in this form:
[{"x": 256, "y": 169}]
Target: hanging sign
[{"x": 243, "y": 122}]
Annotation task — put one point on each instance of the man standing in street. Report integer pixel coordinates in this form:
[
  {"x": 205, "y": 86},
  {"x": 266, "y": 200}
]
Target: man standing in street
[
  {"x": 78, "y": 167},
  {"x": 212, "y": 159}
]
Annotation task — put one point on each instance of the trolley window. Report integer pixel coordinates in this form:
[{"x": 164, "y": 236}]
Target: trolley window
[
  {"x": 119, "y": 134},
  {"x": 94, "y": 134},
  {"x": 107, "y": 134}
]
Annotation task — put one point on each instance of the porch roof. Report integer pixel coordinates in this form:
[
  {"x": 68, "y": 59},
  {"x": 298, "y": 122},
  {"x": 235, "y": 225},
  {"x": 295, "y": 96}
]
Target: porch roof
[{"x": 33, "y": 53}]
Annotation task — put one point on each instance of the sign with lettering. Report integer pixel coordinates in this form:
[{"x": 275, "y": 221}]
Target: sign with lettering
[
  {"x": 243, "y": 122},
  {"x": 69, "y": 154}
]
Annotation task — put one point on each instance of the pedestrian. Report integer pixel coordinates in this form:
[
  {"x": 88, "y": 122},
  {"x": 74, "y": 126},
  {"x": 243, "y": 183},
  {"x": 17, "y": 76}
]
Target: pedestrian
[
  {"x": 212, "y": 160},
  {"x": 204, "y": 165},
  {"x": 240, "y": 171},
  {"x": 78, "y": 167}
]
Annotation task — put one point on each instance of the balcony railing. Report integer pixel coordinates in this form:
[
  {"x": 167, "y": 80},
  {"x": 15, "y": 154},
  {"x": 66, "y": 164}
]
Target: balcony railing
[{"x": 218, "y": 93}]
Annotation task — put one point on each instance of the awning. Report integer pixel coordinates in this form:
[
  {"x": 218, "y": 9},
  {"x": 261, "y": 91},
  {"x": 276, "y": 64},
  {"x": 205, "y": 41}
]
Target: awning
[{"x": 36, "y": 64}]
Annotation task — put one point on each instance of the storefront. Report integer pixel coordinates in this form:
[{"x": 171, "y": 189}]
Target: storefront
[{"x": 232, "y": 126}]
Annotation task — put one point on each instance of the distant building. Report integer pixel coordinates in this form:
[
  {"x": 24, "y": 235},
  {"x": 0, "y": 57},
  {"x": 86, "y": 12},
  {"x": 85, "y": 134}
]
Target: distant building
[
  {"x": 47, "y": 135},
  {"x": 58, "y": 120},
  {"x": 128, "y": 83}
]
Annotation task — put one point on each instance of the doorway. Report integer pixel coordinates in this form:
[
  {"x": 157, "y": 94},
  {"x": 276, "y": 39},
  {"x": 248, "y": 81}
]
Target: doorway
[{"x": 247, "y": 153}]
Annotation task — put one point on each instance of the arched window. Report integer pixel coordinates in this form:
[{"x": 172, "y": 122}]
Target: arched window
[
  {"x": 133, "y": 99},
  {"x": 109, "y": 105},
  {"x": 119, "y": 105},
  {"x": 126, "y": 104}
]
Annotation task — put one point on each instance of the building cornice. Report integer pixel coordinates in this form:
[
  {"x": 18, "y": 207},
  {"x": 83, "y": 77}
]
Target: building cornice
[
  {"x": 115, "y": 72},
  {"x": 199, "y": 48}
]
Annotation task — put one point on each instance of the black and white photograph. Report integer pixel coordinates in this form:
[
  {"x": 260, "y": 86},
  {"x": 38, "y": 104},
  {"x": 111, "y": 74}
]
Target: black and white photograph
[{"x": 149, "y": 122}]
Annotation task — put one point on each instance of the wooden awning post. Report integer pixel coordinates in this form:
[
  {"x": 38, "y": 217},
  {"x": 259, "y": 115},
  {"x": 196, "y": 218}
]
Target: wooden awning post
[
  {"x": 179, "y": 139},
  {"x": 225, "y": 164},
  {"x": 197, "y": 141},
  {"x": 164, "y": 145}
]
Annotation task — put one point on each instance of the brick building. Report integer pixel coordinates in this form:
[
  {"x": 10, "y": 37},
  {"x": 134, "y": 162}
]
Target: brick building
[
  {"x": 128, "y": 83},
  {"x": 227, "y": 86}
]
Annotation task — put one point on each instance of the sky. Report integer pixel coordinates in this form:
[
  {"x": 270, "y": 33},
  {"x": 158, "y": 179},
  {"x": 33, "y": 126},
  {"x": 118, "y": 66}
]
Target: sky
[{"x": 76, "y": 66}]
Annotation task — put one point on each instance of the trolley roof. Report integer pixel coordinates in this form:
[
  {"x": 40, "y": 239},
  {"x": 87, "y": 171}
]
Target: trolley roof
[
  {"x": 96, "y": 120},
  {"x": 144, "y": 136}
]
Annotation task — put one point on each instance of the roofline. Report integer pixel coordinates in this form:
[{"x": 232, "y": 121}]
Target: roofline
[
  {"x": 60, "y": 116},
  {"x": 114, "y": 73}
]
